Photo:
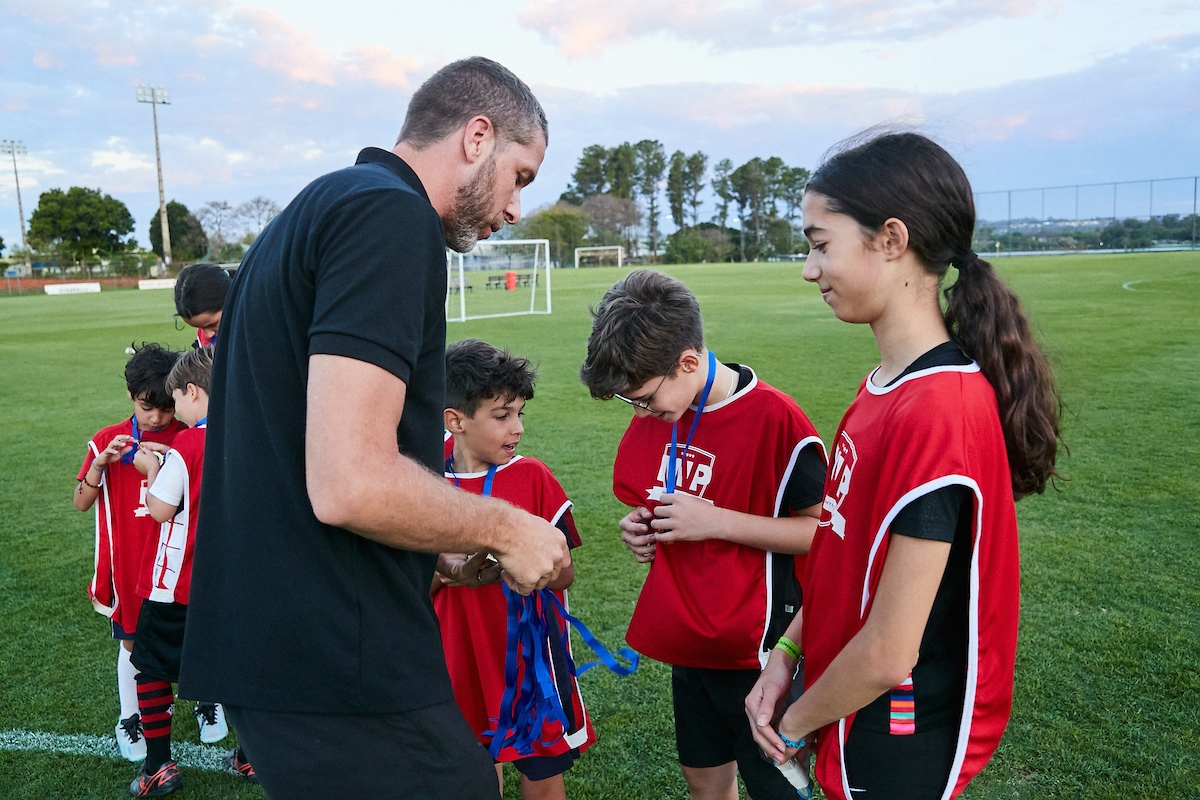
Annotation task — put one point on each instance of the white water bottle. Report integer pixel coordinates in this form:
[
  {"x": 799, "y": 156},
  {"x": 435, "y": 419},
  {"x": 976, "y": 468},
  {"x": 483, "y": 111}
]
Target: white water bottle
[{"x": 797, "y": 775}]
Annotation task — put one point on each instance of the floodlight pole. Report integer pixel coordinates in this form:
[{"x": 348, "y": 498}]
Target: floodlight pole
[
  {"x": 16, "y": 148},
  {"x": 156, "y": 95}
]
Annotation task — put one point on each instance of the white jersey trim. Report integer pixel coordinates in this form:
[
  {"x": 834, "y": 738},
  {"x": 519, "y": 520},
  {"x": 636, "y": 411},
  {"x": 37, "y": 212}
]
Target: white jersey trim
[
  {"x": 106, "y": 611},
  {"x": 912, "y": 376},
  {"x": 745, "y": 390},
  {"x": 964, "y": 729},
  {"x": 172, "y": 545},
  {"x": 564, "y": 508},
  {"x": 499, "y": 467}
]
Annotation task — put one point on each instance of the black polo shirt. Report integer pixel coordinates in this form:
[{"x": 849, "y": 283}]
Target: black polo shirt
[{"x": 287, "y": 613}]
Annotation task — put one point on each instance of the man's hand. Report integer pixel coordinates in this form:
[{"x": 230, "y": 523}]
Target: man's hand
[
  {"x": 533, "y": 554},
  {"x": 471, "y": 571},
  {"x": 686, "y": 518},
  {"x": 637, "y": 535}
]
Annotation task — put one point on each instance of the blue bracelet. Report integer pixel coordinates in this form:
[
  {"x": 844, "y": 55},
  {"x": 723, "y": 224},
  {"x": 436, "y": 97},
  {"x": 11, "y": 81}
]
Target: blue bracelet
[{"x": 792, "y": 743}]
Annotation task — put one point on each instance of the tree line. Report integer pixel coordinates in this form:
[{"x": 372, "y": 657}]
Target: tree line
[
  {"x": 616, "y": 198},
  {"x": 1127, "y": 234},
  {"x": 86, "y": 228}
]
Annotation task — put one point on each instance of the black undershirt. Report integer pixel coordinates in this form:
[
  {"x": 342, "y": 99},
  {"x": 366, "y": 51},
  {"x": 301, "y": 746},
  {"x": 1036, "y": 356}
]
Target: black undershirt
[{"x": 945, "y": 515}]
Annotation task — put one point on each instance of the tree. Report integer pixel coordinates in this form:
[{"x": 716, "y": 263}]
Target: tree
[
  {"x": 620, "y": 168},
  {"x": 791, "y": 192},
  {"x": 677, "y": 186},
  {"x": 652, "y": 163},
  {"x": 590, "y": 177},
  {"x": 219, "y": 219},
  {"x": 723, "y": 190},
  {"x": 79, "y": 223},
  {"x": 694, "y": 172},
  {"x": 613, "y": 220},
  {"x": 749, "y": 190},
  {"x": 1, "y": 244},
  {"x": 188, "y": 241},
  {"x": 258, "y": 212},
  {"x": 564, "y": 224}
]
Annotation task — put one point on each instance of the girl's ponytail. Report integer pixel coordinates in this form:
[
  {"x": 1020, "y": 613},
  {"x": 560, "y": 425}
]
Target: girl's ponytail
[
  {"x": 911, "y": 178},
  {"x": 985, "y": 318}
]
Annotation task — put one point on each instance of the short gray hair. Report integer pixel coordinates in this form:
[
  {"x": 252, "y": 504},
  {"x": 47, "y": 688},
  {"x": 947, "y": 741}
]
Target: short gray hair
[{"x": 469, "y": 88}]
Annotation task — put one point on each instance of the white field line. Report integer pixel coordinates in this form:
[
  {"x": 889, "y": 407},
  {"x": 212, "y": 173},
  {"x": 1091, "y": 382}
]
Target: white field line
[
  {"x": 186, "y": 754},
  {"x": 1128, "y": 285}
]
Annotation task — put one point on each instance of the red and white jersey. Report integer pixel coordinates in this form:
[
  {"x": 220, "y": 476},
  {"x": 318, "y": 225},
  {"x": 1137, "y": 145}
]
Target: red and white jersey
[
  {"x": 124, "y": 527},
  {"x": 474, "y": 622},
  {"x": 706, "y": 604},
  {"x": 177, "y": 484},
  {"x": 932, "y": 428}
]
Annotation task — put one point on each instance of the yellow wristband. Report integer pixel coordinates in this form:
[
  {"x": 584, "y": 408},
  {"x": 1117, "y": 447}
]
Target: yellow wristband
[{"x": 788, "y": 646}]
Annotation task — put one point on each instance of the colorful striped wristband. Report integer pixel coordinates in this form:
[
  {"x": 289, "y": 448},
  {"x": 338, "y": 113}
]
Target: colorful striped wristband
[{"x": 788, "y": 646}]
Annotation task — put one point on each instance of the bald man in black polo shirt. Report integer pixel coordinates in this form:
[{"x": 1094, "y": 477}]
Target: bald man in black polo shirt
[{"x": 310, "y": 616}]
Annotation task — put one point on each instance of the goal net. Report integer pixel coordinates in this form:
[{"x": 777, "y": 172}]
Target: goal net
[
  {"x": 607, "y": 256},
  {"x": 504, "y": 278}
]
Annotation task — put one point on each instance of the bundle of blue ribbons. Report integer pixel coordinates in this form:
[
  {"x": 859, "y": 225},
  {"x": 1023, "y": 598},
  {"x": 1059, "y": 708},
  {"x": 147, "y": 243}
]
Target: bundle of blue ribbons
[{"x": 529, "y": 703}]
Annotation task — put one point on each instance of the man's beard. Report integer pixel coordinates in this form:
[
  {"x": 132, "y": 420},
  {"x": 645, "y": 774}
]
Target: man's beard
[{"x": 472, "y": 209}]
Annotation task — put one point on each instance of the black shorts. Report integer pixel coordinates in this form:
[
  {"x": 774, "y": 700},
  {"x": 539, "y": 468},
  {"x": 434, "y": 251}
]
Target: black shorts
[
  {"x": 910, "y": 767},
  {"x": 158, "y": 643},
  {"x": 711, "y": 727},
  {"x": 538, "y": 768},
  {"x": 425, "y": 754},
  {"x": 119, "y": 633}
]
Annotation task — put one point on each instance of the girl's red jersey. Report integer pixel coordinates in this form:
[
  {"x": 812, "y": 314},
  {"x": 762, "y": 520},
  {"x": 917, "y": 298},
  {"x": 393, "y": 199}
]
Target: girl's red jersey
[
  {"x": 706, "y": 604},
  {"x": 124, "y": 528},
  {"x": 932, "y": 428},
  {"x": 474, "y": 622},
  {"x": 170, "y": 578}
]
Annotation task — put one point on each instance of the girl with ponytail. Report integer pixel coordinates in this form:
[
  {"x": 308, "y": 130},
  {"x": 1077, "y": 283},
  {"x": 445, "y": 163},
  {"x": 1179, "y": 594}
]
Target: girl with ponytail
[{"x": 912, "y": 589}]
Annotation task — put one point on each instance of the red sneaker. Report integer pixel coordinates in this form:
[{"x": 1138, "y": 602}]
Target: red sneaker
[
  {"x": 237, "y": 762},
  {"x": 165, "y": 781}
]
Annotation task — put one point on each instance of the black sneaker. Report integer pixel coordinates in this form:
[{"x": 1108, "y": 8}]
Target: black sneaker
[
  {"x": 237, "y": 762},
  {"x": 165, "y": 781}
]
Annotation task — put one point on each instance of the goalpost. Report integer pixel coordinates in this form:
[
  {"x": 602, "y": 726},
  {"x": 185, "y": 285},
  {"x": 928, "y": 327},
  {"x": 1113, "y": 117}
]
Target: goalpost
[
  {"x": 620, "y": 251},
  {"x": 505, "y": 278}
]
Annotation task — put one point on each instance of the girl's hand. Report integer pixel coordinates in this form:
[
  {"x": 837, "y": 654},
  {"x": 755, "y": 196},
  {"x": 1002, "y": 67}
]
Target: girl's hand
[
  {"x": 686, "y": 518},
  {"x": 767, "y": 702},
  {"x": 637, "y": 535},
  {"x": 116, "y": 448}
]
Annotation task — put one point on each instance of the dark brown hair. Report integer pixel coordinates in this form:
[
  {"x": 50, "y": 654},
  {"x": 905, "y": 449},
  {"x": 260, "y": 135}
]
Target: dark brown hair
[
  {"x": 146, "y": 374},
  {"x": 639, "y": 329},
  {"x": 200, "y": 289},
  {"x": 477, "y": 371},
  {"x": 913, "y": 179},
  {"x": 469, "y": 88},
  {"x": 195, "y": 367}
]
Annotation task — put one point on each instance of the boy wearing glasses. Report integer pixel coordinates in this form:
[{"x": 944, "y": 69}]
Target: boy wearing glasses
[{"x": 724, "y": 475}]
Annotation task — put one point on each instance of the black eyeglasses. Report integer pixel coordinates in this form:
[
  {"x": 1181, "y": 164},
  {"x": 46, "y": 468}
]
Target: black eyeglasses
[{"x": 643, "y": 404}]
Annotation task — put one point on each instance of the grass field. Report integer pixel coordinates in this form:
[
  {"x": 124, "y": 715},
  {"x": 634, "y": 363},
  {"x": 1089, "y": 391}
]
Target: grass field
[{"x": 1106, "y": 694}]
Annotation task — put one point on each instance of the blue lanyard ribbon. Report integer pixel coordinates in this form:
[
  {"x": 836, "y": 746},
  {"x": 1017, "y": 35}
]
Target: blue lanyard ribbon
[
  {"x": 200, "y": 423},
  {"x": 669, "y": 487},
  {"x": 137, "y": 439}
]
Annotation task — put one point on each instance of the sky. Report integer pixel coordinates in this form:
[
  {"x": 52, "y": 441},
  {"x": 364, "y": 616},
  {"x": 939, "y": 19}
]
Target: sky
[{"x": 267, "y": 95}]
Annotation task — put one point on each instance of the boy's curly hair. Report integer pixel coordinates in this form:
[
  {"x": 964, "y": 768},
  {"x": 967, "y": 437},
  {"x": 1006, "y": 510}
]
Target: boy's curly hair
[
  {"x": 476, "y": 370},
  {"x": 146, "y": 374}
]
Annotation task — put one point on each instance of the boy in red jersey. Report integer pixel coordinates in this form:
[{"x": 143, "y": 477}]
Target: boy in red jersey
[
  {"x": 724, "y": 474},
  {"x": 173, "y": 499},
  {"x": 486, "y": 390},
  {"x": 124, "y": 527}
]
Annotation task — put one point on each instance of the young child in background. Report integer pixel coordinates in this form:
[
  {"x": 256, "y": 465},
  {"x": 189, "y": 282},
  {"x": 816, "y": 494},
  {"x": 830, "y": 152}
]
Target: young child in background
[
  {"x": 173, "y": 500},
  {"x": 724, "y": 475},
  {"x": 124, "y": 527},
  {"x": 200, "y": 293},
  {"x": 486, "y": 390}
]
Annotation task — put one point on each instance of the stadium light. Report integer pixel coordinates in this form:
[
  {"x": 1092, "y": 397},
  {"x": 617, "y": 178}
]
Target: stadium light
[
  {"x": 9, "y": 147},
  {"x": 155, "y": 96}
]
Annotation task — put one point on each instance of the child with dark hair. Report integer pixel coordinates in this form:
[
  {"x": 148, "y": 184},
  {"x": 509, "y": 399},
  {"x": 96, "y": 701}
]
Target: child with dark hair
[
  {"x": 123, "y": 525},
  {"x": 173, "y": 500},
  {"x": 913, "y": 583},
  {"x": 486, "y": 390},
  {"x": 724, "y": 476},
  {"x": 200, "y": 293}
]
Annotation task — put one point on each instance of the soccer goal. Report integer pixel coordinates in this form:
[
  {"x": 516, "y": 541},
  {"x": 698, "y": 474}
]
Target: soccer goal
[
  {"x": 607, "y": 256},
  {"x": 506, "y": 278}
]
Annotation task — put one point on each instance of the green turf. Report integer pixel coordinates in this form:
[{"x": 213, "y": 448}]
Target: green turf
[{"x": 1106, "y": 695}]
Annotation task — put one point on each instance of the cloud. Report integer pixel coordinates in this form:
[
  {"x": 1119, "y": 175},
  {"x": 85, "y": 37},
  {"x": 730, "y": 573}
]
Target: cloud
[
  {"x": 119, "y": 158},
  {"x": 582, "y": 28},
  {"x": 47, "y": 60}
]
